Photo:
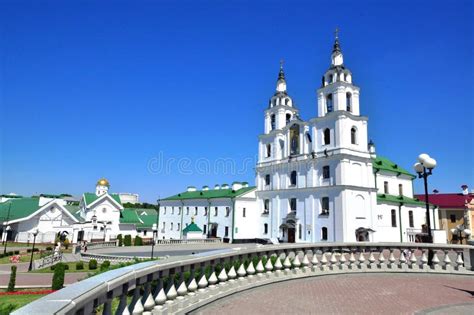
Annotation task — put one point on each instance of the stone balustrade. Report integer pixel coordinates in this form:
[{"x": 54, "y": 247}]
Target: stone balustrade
[
  {"x": 178, "y": 285},
  {"x": 191, "y": 241}
]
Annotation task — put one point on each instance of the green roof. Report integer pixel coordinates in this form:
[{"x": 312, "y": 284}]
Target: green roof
[
  {"x": 91, "y": 197},
  {"x": 191, "y": 228},
  {"x": 19, "y": 208},
  {"x": 129, "y": 215},
  {"x": 11, "y": 196},
  {"x": 74, "y": 211},
  {"x": 148, "y": 218},
  {"x": 384, "y": 164},
  {"x": 210, "y": 194},
  {"x": 399, "y": 199}
]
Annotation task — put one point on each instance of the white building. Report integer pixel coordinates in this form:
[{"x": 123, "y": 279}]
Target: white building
[
  {"x": 317, "y": 180},
  {"x": 100, "y": 216}
]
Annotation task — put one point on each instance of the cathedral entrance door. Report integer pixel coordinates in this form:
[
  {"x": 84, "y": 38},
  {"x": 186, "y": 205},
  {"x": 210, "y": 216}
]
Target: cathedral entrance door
[
  {"x": 291, "y": 235},
  {"x": 214, "y": 230},
  {"x": 80, "y": 236}
]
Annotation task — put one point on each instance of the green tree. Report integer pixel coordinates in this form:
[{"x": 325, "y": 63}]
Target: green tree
[
  {"x": 11, "y": 284},
  {"x": 58, "y": 276},
  {"x": 127, "y": 241},
  {"x": 120, "y": 239}
]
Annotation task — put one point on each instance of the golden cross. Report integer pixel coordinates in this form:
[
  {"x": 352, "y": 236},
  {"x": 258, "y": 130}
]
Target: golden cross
[
  {"x": 281, "y": 63},
  {"x": 336, "y": 32}
]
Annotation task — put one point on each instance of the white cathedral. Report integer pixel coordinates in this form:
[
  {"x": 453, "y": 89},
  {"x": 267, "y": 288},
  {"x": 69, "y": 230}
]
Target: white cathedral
[{"x": 317, "y": 180}]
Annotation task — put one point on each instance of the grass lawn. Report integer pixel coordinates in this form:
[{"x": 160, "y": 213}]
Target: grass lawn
[
  {"x": 8, "y": 303},
  {"x": 72, "y": 268},
  {"x": 23, "y": 258}
]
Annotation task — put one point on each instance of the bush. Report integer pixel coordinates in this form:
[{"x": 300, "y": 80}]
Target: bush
[
  {"x": 12, "y": 282},
  {"x": 17, "y": 252},
  {"x": 120, "y": 239},
  {"x": 1, "y": 255},
  {"x": 138, "y": 241},
  {"x": 66, "y": 243},
  {"x": 79, "y": 265},
  {"x": 105, "y": 265},
  {"x": 127, "y": 241},
  {"x": 7, "y": 308},
  {"x": 49, "y": 248},
  {"x": 58, "y": 276},
  {"x": 92, "y": 264}
]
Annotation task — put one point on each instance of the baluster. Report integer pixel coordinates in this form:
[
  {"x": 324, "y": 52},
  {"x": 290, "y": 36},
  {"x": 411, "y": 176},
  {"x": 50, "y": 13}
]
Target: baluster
[
  {"x": 352, "y": 260},
  {"x": 361, "y": 259},
  {"x": 424, "y": 260},
  {"x": 333, "y": 260},
  {"x": 250, "y": 269},
  {"x": 391, "y": 259},
  {"x": 171, "y": 294},
  {"x": 202, "y": 283},
  {"x": 278, "y": 266},
  {"x": 381, "y": 259},
  {"x": 296, "y": 261},
  {"x": 314, "y": 261},
  {"x": 136, "y": 306},
  {"x": 160, "y": 297},
  {"x": 268, "y": 265},
  {"x": 372, "y": 263},
  {"x": 342, "y": 260},
  {"x": 413, "y": 260},
  {"x": 435, "y": 260},
  {"x": 232, "y": 274},
  {"x": 123, "y": 307},
  {"x": 241, "y": 271},
  {"x": 149, "y": 302},
  {"x": 182, "y": 289},
  {"x": 305, "y": 261},
  {"x": 287, "y": 262},
  {"x": 324, "y": 262},
  {"x": 402, "y": 259},
  {"x": 192, "y": 285},
  {"x": 213, "y": 278},
  {"x": 260, "y": 267},
  {"x": 459, "y": 261},
  {"x": 222, "y": 276},
  {"x": 447, "y": 261},
  {"x": 107, "y": 307}
]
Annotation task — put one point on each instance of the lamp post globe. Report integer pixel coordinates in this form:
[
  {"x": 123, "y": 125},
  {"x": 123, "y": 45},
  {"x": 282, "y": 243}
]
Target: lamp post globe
[
  {"x": 418, "y": 167},
  {"x": 429, "y": 163},
  {"x": 422, "y": 157}
]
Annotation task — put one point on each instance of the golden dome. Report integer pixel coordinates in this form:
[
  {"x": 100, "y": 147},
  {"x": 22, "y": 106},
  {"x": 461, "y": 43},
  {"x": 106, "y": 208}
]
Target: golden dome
[{"x": 103, "y": 182}]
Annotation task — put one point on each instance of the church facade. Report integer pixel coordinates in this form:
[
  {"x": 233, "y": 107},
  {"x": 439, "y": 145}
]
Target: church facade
[{"x": 320, "y": 179}]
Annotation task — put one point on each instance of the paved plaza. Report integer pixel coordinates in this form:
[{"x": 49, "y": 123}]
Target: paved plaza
[{"x": 355, "y": 294}]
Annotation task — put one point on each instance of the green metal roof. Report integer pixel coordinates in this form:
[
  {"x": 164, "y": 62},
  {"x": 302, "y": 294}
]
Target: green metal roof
[
  {"x": 74, "y": 211},
  {"x": 12, "y": 196},
  {"x": 129, "y": 215},
  {"x": 91, "y": 197},
  {"x": 210, "y": 194},
  {"x": 191, "y": 228},
  {"x": 399, "y": 199},
  {"x": 19, "y": 208},
  {"x": 384, "y": 164},
  {"x": 147, "y": 217}
]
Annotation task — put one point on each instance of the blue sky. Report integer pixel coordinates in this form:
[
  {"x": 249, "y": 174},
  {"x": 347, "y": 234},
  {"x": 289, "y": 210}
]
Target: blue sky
[{"x": 106, "y": 88}]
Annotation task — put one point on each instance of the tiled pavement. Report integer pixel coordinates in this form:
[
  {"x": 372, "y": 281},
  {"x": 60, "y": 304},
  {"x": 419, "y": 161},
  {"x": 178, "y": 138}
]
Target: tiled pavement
[{"x": 354, "y": 294}]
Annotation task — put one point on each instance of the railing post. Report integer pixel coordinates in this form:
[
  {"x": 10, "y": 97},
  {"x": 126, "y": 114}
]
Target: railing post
[{"x": 468, "y": 254}]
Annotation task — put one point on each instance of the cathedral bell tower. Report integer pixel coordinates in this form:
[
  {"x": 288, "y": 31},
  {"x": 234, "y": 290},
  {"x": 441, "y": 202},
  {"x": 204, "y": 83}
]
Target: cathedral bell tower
[{"x": 337, "y": 93}]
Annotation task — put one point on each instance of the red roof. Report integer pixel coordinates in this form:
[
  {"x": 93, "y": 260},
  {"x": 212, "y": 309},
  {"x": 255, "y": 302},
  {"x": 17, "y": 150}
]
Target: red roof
[{"x": 451, "y": 201}]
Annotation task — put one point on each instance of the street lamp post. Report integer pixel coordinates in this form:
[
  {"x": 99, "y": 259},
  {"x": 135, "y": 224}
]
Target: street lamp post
[
  {"x": 424, "y": 168},
  {"x": 155, "y": 230},
  {"x": 7, "y": 229},
  {"x": 35, "y": 233}
]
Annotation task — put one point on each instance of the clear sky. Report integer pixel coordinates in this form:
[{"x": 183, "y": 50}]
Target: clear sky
[{"x": 112, "y": 88}]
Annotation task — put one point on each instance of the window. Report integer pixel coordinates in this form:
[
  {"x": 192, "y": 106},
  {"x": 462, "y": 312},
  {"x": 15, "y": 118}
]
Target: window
[
  {"x": 353, "y": 135},
  {"x": 295, "y": 139},
  {"x": 452, "y": 217},
  {"x": 287, "y": 101},
  {"x": 204, "y": 229},
  {"x": 205, "y": 211},
  {"x": 164, "y": 210},
  {"x": 269, "y": 150},
  {"x": 394, "y": 218},
  {"x": 164, "y": 225},
  {"x": 187, "y": 210},
  {"x": 267, "y": 180},
  {"x": 329, "y": 105},
  {"x": 172, "y": 210},
  {"x": 265, "y": 228},
  {"x": 325, "y": 205},
  {"x": 288, "y": 118},
  {"x": 272, "y": 118},
  {"x": 226, "y": 231},
  {"x": 348, "y": 102},
  {"x": 324, "y": 233},
  {"x": 179, "y": 211},
  {"x": 216, "y": 211},
  {"x": 327, "y": 136},
  {"x": 293, "y": 204},
  {"x": 385, "y": 187},
  {"x": 293, "y": 178},
  {"x": 177, "y": 229},
  {"x": 410, "y": 218},
  {"x": 171, "y": 226},
  {"x": 227, "y": 211},
  {"x": 195, "y": 210},
  {"x": 187, "y": 224},
  {"x": 326, "y": 172},
  {"x": 330, "y": 78},
  {"x": 266, "y": 206},
  {"x": 144, "y": 232},
  {"x": 300, "y": 231},
  {"x": 243, "y": 212},
  {"x": 400, "y": 189}
]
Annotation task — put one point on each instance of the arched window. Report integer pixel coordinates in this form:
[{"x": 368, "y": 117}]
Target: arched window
[
  {"x": 293, "y": 178},
  {"x": 227, "y": 211},
  {"x": 287, "y": 101},
  {"x": 171, "y": 228},
  {"x": 324, "y": 233},
  {"x": 288, "y": 118},
  {"x": 195, "y": 210},
  {"x": 330, "y": 78},
  {"x": 353, "y": 135},
  {"x": 325, "y": 205},
  {"x": 293, "y": 204},
  {"x": 269, "y": 150},
  {"x": 327, "y": 136},
  {"x": 216, "y": 211},
  {"x": 265, "y": 228},
  {"x": 385, "y": 187},
  {"x": 272, "y": 118},
  {"x": 267, "y": 180},
  {"x": 266, "y": 206},
  {"x": 349, "y": 102},
  {"x": 205, "y": 211},
  {"x": 329, "y": 104},
  {"x": 394, "y": 218},
  {"x": 295, "y": 139},
  {"x": 410, "y": 218},
  {"x": 187, "y": 210}
]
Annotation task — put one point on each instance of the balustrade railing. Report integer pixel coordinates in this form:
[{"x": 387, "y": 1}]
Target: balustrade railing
[
  {"x": 49, "y": 260},
  {"x": 178, "y": 285},
  {"x": 190, "y": 241}
]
